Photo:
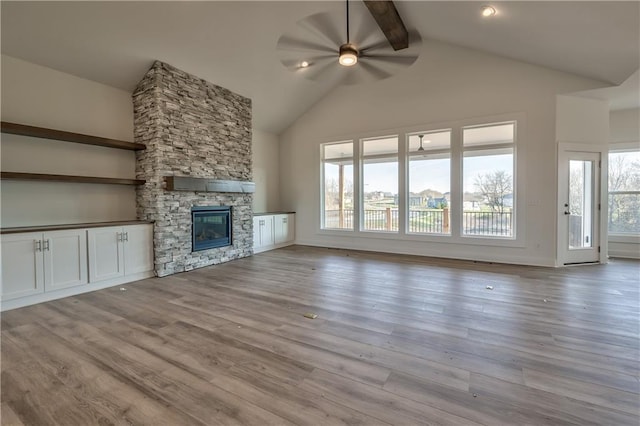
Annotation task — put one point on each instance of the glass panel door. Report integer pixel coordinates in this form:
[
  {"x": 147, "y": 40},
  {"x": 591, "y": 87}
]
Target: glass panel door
[{"x": 578, "y": 228}]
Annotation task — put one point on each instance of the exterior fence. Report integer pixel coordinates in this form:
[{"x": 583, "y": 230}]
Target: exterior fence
[{"x": 432, "y": 221}]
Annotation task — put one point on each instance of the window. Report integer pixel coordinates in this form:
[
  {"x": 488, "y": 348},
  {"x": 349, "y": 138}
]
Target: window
[
  {"x": 624, "y": 192},
  {"x": 488, "y": 183},
  {"x": 337, "y": 185},
  {"x": 453, "y": 182},
  {"x": 380, "y": 184},
  {"x": 429, "y": 172}
]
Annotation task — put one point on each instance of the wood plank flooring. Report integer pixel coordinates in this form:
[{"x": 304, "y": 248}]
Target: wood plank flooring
[{"x": 398, "y": 340}]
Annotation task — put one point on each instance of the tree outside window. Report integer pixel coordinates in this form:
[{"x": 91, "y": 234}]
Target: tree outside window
[{"x": 624, "y": 192}]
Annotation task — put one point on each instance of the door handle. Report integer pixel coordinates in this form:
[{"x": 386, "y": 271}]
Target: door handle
[
  {"x": 46, "y": 245},
  {"x": 125, "y": 236},
  {"x": 566, "y": 212},
  {"x": 38, "y": 245}
]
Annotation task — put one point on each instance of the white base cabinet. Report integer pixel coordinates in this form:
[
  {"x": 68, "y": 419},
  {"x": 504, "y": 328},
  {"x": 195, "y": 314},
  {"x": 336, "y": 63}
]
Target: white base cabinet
[
  {"x": 42, "y": 266},
  {"x": 119, "y": 251},
  {"x": 35, "y": 263},
  {"x": 271, "y": 231}
]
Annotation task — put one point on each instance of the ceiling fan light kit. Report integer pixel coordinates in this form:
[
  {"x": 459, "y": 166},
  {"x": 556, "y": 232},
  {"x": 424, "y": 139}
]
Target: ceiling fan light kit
[{"x": 348, "y": 55}]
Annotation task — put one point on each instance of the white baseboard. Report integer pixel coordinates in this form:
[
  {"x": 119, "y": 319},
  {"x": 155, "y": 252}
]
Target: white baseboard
[{"x": 479, "y": 257}]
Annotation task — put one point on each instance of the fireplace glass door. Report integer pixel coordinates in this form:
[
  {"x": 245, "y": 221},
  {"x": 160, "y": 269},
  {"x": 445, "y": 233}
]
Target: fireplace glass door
[{"x": 211, "y": 227}]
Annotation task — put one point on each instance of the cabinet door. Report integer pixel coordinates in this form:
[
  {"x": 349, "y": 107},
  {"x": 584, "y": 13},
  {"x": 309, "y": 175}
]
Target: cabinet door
[
  {"x": 106, "y": 257},
  {"x": 280, "y": 228},
  {"x": 291, "y": 228},
  {"x": 257, "y": 243},
  {"x": 22, "y": 265},
  {"x": 65, "y": 259},
  {"x": 138, "y": 248},
  {"x": 267, "y": 237}
]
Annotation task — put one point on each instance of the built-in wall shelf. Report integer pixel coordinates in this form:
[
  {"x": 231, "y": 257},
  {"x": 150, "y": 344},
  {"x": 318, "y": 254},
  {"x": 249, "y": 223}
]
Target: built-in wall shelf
[
  {"x": 41, "y": 132},
  {"x": 67, "y": 178}
]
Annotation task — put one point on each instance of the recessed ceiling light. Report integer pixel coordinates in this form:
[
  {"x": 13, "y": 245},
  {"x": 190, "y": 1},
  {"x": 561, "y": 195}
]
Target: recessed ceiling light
[
  {"x": 488, "y": 11},
  {"x": 304, "y": 64}
]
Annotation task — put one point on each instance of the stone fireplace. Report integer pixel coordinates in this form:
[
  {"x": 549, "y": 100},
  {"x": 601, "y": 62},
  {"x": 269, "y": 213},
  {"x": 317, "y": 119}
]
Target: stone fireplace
[{"x": 195, "y": 129}]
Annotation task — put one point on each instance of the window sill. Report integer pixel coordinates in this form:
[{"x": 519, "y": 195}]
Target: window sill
[
  {"x": 622, "y": 238},
  {"x": 426, "y": 238}
]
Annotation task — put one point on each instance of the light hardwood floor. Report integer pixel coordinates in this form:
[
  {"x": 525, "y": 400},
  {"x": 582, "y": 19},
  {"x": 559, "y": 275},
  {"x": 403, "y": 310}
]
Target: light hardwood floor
[{"x": 398, "y": 340}]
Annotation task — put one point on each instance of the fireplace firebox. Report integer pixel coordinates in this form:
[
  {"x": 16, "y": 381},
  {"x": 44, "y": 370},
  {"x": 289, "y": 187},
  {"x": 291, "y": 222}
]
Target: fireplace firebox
[{"x": 211, "y": 227}]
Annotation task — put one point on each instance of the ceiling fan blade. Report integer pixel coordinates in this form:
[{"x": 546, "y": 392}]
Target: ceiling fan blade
[
  {"x": 319, "y": 68},
  {"x": 376, "y": 72},
  {"x": 294, "y": 63},
  {"x": 391, "y": 59},
  {"x": 290, "y": 43},
  {"x": 389, "y": 21},
  {"x": 324, "y": 25},
  {"x": 379, "y": 45}
]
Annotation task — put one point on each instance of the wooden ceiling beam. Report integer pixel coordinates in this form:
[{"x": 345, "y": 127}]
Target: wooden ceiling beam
[{"x": 389, "y": 21}]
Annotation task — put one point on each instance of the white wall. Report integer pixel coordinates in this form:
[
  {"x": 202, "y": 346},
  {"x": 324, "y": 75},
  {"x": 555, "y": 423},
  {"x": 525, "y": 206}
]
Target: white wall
[
  {"x": 266, "y": 171},
  {"x": 582, "y": 120},
  {"x": 447, "y": 83},
  {"x": 624, "y": 126},
  {"x": 40, "y": 96},
  {"x": 624, "y": 133}
]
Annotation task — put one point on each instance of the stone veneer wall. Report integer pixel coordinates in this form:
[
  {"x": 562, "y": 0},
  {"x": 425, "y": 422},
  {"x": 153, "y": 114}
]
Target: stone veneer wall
[{"x": 191, "y": 128}]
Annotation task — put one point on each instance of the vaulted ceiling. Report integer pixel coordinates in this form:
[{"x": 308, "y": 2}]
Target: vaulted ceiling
[{"x": 233, "y": 44}]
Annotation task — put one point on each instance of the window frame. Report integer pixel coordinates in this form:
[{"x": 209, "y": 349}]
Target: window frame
[
  {"x": 619, "y": 237},
  {"x": 407, "y": 191},
  {"x": 323, "y": 162},
  {"x": 495, "y": 148},
  {"x": 358, "y": 238},
  {"x": 362, "y": 159}
]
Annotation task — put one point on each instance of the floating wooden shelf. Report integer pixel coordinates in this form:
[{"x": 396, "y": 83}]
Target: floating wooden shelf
[
  {"x": 66, "y": 178},
  {"x": 41, "y": 132}
]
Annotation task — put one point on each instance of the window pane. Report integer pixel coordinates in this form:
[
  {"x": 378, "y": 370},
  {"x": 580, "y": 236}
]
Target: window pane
[
  {"x": 624, "y": 192},
  {"x": 624, "y": 171},
  {"x": 488, "y": 194},
  {"x": 338, "y": 195},
  {"x": 580, "y": 203},
  {"x": 487, "y": 135},
  {"x": 380, "y": 146},
  {"x": 380, "y": 195},
  {"x": 338, "y": 150},
  {"x": 429, "y": 197},
  {"x": 624, "y": 213},
  {"x": 430, "y": 141}
]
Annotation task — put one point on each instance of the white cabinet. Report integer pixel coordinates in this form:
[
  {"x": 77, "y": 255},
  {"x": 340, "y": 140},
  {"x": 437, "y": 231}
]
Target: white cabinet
[
  {"x": 33, "y": 263},
  {"x": 22, "y": 265},
  {"x": 115, "y": 252},
  {"x": 284, "y": 228},
  {"x": 273, "y": 231},
  {"x": 47, "y": 265},
  {"x": 263, "y": 231}
]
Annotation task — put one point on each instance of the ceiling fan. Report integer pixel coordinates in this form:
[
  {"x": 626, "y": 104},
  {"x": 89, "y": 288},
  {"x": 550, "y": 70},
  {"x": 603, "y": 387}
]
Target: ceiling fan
[{"x": 319, "y": 48}]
